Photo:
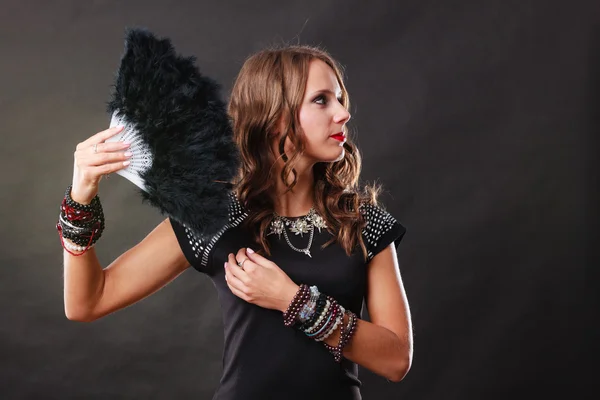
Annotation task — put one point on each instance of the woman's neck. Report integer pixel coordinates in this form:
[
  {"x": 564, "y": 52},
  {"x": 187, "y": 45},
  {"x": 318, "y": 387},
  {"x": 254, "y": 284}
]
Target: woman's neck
[{"x": 299, "y": 200}]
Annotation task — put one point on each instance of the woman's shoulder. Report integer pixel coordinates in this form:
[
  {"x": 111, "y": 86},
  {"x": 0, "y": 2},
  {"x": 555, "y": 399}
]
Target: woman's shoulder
[
  {"x": 236, "y": 209},
  {"x": 377, "y": 218},
  {"x": 198, "y": 247},
  {"x": 369, "y": 208},
  {"x": 236, "y": 213},
  {"x": 381, "y": 228}
]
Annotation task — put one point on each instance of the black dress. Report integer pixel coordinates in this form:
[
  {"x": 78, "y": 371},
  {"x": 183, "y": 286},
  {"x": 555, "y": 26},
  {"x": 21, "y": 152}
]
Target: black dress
[{"x": 262, "y": 358}]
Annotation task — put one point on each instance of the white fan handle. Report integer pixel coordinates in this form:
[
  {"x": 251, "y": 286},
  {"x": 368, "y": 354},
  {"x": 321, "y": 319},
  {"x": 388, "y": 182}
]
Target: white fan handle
[{"x": 138, "y": 148}]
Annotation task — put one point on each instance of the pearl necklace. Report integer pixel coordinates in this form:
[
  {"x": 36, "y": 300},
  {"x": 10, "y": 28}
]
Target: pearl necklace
[{"x": 299, "y": 226}]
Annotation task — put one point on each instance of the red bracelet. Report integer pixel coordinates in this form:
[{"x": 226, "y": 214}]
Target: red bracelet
[
  {"x": 300, "y": 298},
  {"x": 345, "y": 336}
]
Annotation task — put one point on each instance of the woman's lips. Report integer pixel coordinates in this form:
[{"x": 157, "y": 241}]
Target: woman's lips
[{"x": 339, "y": 137}]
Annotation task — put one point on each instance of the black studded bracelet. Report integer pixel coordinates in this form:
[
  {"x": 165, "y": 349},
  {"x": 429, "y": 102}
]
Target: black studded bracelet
[{"x": 81, "y": 224}]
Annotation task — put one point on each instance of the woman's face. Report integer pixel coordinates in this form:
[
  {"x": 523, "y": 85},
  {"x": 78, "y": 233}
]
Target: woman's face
[{"x": 322, "y": 115}]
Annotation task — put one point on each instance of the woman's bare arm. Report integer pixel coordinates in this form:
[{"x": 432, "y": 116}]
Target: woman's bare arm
[{"x": 91, "y": 292}]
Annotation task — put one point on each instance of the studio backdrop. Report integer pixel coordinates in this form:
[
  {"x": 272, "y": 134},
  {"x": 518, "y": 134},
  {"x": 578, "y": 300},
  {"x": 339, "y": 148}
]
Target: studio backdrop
[{"x": 480, "y": 119}]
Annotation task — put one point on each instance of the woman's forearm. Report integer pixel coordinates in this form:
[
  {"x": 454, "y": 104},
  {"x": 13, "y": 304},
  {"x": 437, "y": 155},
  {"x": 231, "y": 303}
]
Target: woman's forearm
[
  {"x": 83, "y": 282},
  {"x": 372, "y": 346},
  {"x": 378, "y": 349}
]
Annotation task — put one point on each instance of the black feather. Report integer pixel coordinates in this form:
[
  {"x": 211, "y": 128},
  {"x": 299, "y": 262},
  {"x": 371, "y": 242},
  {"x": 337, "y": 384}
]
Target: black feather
[{"x": 181, "y": 117}]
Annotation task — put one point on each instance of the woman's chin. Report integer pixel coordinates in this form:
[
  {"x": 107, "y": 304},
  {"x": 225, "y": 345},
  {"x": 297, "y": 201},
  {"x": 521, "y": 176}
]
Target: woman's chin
[{"x": 340, "y": 155}]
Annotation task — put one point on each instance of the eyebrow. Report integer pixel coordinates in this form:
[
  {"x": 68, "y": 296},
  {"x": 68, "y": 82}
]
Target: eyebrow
[{"x": 326, "y": 91}]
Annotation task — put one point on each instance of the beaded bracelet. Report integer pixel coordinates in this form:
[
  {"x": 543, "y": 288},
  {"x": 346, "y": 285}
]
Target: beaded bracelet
[
  {"x": 345, "y": 336},
  {"x": 321, "y": 318},
  {"x": 73, "y": 247},
  {"x": 319, "y": 307},
  {"x": 300, "y": 298},
  {"x": 331, "y": 315},
  {"x": 321, "y": 327},
  {"x": 309, "y": 309},
  {"x": 326, "y": 315},
  {"x": 339, "y": 319},
  {"x": 81, "y": 224}
]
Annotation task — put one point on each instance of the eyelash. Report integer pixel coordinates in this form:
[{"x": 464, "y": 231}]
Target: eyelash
[{"x": 324, "y": 98}]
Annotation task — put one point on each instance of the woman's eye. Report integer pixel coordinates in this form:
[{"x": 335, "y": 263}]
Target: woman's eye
[{"x": 320, "y": 100}]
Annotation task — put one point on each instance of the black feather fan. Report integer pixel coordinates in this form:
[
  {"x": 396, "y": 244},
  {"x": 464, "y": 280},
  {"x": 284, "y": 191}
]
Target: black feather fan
[{"x": 179, "y": 117}]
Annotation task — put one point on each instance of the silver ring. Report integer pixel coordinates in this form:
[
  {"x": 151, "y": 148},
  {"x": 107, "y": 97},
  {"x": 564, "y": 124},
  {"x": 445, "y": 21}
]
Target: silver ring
[
  {"x": 95, "y": 148},
  {"x": 241, "y": 264}
]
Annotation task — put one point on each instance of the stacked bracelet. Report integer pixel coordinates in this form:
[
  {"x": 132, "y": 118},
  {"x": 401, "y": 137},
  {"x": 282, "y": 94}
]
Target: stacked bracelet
[
  {"x": 319, "y": 316},
  {"x": 320, "y": 308},
  {"x": 308, "y": 309},
  {"x": 345, "y": 336},
  {"x": 81, "y": 224},
  {"x": 301, "y": 297}
]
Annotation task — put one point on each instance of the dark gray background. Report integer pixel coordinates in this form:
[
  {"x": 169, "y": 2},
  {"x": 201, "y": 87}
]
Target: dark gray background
[{"x": 479, "y": 117}]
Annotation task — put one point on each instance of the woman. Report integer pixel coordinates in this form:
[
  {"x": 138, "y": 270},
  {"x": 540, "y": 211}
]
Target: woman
[{"x": 321, "y": 244}]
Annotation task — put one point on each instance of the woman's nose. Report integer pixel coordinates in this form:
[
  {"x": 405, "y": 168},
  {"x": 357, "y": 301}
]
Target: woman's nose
[{"x": 342, "y": 116}]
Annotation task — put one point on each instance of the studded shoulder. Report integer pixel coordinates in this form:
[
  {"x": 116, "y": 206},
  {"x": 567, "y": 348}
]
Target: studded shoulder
[
  {"x": 202, "y": 246},
  {"x": 379, "y": 222}
]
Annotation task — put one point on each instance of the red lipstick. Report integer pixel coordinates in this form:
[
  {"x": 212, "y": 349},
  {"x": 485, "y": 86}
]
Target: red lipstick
[{"x": 339, "y": 136}]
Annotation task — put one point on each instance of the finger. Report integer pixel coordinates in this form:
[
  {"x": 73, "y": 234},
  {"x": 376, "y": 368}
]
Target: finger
[
  {"x": 109, "y": 168},
  {"x": 109, "y": 147},
  {"x": 233, "y": 280},
  {"x": 85, "y": 157},
  {"x": 107, "y": 158},
  {"x": 235, "y": 269},
  {"x": 258, "y": 259},
  {"x": 102, "y": 136},
  {"x": 237, "y": 292},
  {"x": 241, "y": 256}
]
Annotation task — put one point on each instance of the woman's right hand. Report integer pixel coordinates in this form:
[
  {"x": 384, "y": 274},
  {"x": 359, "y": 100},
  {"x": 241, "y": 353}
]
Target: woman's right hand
[{"x": 95, "y": 158}]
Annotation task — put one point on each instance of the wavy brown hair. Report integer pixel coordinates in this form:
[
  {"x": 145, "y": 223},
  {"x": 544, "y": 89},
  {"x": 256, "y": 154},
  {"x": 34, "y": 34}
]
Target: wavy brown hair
[{"x": 269, "y": 89}]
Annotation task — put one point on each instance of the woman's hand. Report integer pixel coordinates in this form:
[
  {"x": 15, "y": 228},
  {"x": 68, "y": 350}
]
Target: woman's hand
[
  {"x": 95, "y": 158},
  {"x": 259, "y": 281}
]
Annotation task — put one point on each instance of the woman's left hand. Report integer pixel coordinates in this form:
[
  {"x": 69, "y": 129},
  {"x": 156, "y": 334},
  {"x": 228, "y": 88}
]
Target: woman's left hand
[{"x": 259, "y": 281}]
